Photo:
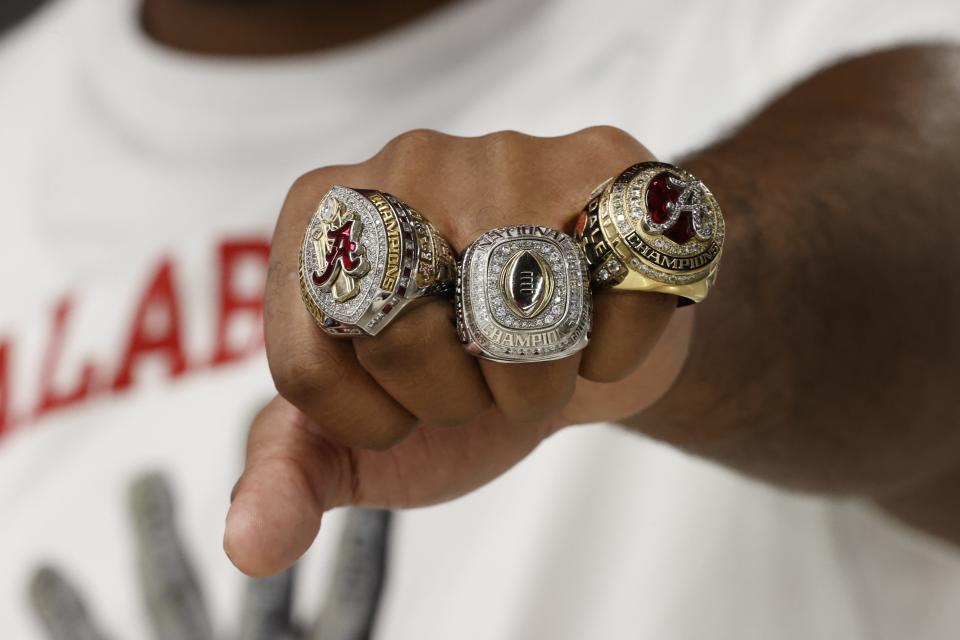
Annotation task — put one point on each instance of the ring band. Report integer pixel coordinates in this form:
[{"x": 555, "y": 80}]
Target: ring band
[
  {"x": 654, "y": 227},
  {"x": 365, "y": 256},
  {"x": 523, "y": 295}
]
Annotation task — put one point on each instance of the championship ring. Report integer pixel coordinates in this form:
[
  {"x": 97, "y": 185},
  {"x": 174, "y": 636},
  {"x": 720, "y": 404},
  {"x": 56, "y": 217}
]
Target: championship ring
[
  {"x": 365, "y": 256},
  {"x": 523, "y": 295},
  {"x": 655, "y": 227}
]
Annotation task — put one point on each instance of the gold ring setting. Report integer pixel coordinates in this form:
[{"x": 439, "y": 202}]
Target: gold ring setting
[{"x": 654, "y": 227}]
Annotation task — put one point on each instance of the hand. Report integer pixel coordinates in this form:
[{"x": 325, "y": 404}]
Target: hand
[
  {"x": 174, "y": 598},
  {"x": 408, "y": 417}
]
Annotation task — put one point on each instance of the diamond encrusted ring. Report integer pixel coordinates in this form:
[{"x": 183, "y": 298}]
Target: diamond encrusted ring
[
  {"x": 523, "y": 295},
  {"x": 654, "y": 227},
  {"x": 365, "y": 256}
]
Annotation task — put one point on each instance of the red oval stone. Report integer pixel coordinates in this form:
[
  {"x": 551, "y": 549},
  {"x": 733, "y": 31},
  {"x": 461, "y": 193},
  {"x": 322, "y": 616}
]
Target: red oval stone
[
  {"x": 659, "y": 195},
  {"x": 683, "y": 230}
]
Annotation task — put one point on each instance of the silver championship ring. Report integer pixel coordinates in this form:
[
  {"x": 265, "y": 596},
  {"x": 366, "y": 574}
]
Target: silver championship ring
[
  {"x": 365, "y": 256},
  {"x": 523, "y": 295}
]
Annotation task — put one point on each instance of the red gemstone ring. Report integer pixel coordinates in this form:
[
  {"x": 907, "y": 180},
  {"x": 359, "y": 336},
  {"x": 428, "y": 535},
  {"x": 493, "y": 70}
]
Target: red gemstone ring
[
  {"x": 654, "y": 227},
  {"x": 366, "y": 255}
]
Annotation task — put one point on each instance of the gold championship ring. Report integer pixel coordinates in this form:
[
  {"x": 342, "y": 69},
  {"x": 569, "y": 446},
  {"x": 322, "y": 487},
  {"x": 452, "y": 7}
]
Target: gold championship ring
[{"x": 654, "y": 227}]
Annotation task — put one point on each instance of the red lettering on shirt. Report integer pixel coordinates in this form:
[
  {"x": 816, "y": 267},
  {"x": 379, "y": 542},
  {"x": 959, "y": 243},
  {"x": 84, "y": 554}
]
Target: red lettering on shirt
[
  {"x": 6, "y": 421},
  {"x": 157, "y": 332},
  {"x": 232, "y": 303},
  {"x": 50, "y": 397},
  {"x": 158, "y": 305}
]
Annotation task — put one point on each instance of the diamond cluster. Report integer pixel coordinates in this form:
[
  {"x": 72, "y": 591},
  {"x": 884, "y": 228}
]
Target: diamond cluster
[
  {"x": 637, "y": 206},
  {"x": 627, "y": 209},
  {"x": 487, "y": 323}
]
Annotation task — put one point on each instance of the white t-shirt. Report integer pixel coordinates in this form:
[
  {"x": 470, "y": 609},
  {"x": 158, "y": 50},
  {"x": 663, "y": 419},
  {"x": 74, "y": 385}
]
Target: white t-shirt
[{"x": 139, "y": 187}]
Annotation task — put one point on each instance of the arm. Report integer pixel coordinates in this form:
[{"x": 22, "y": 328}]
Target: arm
[
  {"x": 824, "y": 360},
  {"x": 829, "y": 356}
]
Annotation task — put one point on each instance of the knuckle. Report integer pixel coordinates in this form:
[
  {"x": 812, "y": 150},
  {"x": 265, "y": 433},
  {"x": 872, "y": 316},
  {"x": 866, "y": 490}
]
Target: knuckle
[
  {"x": 414, "y": 141},
  {"x": 313, "y": 184},
  {"x": 540, "y": 402},
  {"x": 387, "y": 437},
  {"x": 520, "y": 409},
  {"x": 302, "y": 197},
  {"x": 400, "y": 342},
  {"x": 306, "y": 180},
  {"x": 373, "y": 355},
  {"x": 446, "y": 421},
  {"x": 526, "y": 413},
  {"x": 461, "y": 414},
  {"x": 506, "y": 136},
  {"x": 606, "y": 372},
  {"x": 506, "y": 141},
  {"x": 297, "y": 379},
  {"x": 607, "y": 135}
]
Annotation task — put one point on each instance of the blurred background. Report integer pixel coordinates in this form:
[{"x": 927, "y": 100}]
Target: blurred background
[
  {"x": 139, "y": 183},
  {"x": 12, "y": 11}
]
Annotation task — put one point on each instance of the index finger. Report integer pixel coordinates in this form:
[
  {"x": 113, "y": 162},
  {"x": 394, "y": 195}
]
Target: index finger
[{"x": 317, "y": 373}]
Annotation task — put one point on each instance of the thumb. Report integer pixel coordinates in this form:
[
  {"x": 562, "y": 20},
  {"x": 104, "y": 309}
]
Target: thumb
[{"x": 291, "y": 476}]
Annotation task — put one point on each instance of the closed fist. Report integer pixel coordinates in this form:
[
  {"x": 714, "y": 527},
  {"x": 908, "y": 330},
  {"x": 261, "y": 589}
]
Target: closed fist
[{"x": 409, "y": 417}]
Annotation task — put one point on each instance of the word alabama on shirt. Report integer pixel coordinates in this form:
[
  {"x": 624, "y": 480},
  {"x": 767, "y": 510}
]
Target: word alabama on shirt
[{"x": 154, "y": 331}]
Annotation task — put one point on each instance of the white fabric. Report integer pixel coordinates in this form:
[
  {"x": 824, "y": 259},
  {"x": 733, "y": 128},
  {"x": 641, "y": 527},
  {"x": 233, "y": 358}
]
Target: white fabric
[{"x": 115, "y": 153}]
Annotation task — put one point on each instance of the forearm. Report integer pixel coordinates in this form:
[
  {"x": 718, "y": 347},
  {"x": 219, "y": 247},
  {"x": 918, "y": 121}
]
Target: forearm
[{"x": 827, "y": 357}]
